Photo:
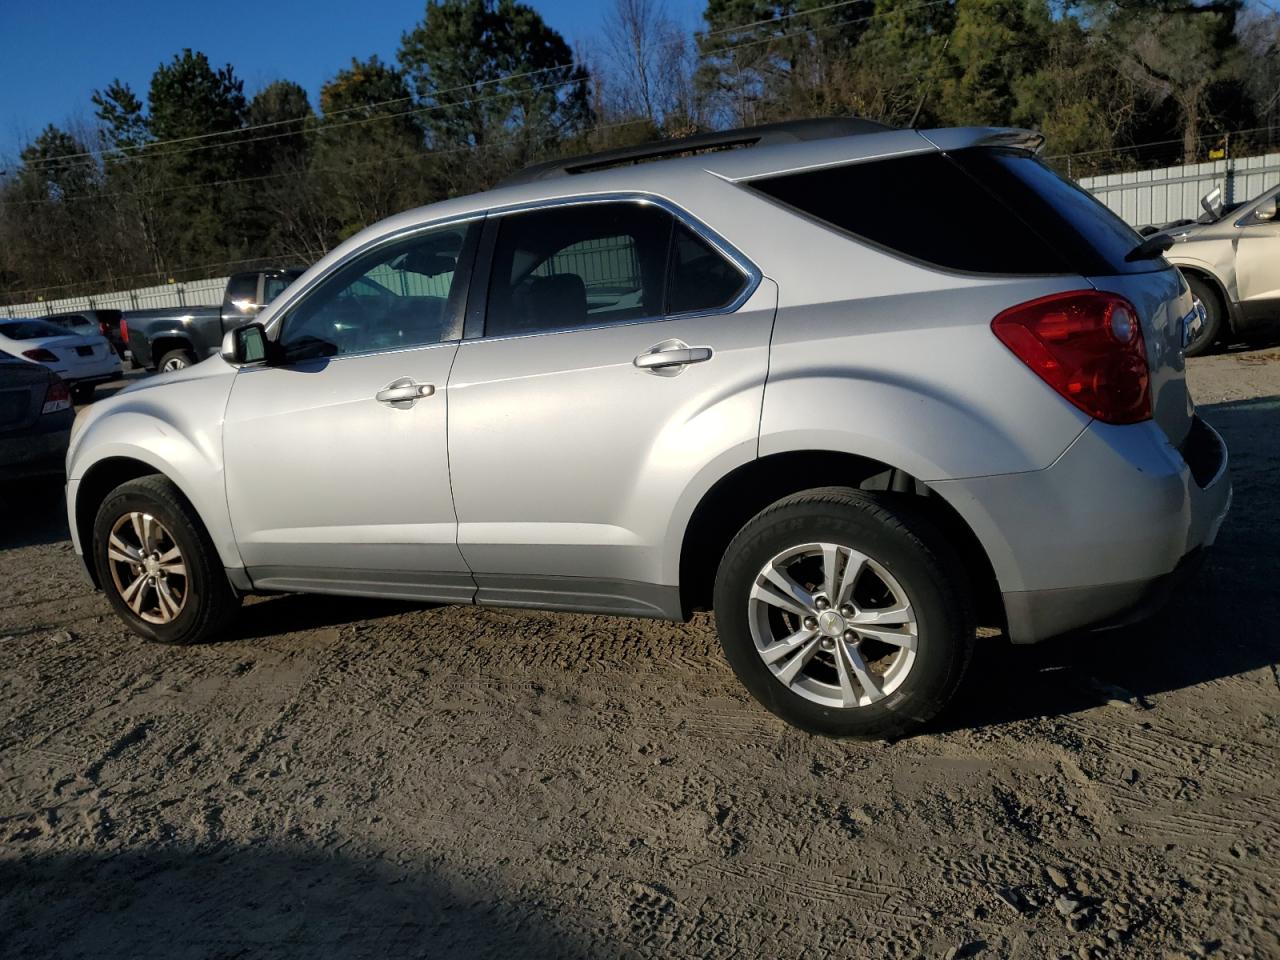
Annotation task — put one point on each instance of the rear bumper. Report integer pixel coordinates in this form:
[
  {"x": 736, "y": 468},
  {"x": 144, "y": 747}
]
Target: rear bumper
[{"x": 1103, "y": 536}]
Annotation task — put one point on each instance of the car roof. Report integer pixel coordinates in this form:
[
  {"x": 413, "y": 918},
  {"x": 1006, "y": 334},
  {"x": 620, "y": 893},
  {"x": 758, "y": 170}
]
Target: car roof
[{"x": 676, "y": 174}]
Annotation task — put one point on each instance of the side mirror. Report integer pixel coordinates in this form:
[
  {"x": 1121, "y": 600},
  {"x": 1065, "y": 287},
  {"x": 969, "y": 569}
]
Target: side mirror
[
  {"x": 247, "y": 344},
  {"x": 1212, "y": 202},
  {"x": 1267, "y": 211}
]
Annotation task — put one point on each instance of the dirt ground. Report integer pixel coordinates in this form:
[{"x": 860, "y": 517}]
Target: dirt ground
[{"x": 357, "y": 779}]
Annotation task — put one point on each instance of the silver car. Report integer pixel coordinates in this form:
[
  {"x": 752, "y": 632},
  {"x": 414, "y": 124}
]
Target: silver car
[
  {"x": 1231, "y": 259},
  {"x": 857, "y": 390}
]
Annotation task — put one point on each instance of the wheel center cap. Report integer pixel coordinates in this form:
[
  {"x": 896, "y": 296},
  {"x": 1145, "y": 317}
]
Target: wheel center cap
[
  {"x": 831, "y": 623},
  {"x": 151, "y": 566}
]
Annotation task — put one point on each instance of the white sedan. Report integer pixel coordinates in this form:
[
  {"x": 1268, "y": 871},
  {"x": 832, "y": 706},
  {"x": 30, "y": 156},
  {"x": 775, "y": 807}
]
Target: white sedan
[{"x": 83, "y": 361}]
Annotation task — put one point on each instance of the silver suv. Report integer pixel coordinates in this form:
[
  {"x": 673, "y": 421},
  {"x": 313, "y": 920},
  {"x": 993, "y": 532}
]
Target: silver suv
[{"x": 858, "y": 390}]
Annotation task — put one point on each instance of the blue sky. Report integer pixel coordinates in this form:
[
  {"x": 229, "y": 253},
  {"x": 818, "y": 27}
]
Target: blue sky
[{"x": 54, "y": 53}]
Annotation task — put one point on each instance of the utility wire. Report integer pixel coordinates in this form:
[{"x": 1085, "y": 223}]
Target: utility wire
[{"x": 573, "y": 66}]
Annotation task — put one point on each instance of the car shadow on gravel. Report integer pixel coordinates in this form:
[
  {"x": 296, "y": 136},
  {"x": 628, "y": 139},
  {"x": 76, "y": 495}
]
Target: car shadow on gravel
[
  {"x": 34, "y": 512},
  {"x": 239, "y": 902},
  {"x": 1221, "y": 624},
  {"x": 292, "y": 612}
]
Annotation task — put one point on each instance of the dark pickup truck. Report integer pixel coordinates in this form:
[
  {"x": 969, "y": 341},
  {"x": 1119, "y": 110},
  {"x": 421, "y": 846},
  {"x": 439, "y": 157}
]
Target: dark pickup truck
[{"x": 171, "y": 338}]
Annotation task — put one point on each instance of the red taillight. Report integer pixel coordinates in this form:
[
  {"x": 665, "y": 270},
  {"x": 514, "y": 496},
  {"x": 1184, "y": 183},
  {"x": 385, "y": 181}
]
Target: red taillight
[
  {"x": 40, "y": 355},
  {"x": 56, "y": 397},
  {"x": 1088, "y": 346},
  {"x": 124, "y": 329}
]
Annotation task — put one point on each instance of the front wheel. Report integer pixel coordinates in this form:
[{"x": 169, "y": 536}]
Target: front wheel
[
  {"x": 844, "y": 613},
  {"x": 158, "y": 566}
]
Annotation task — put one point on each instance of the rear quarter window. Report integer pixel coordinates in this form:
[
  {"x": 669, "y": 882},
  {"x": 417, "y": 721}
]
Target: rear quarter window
[{"x": 980, "y": 210}]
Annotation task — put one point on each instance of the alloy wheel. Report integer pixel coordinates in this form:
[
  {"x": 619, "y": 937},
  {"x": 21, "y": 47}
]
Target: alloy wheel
[
  {"x": 147, "y": 567},
  {"x": 832, "y": 625}
]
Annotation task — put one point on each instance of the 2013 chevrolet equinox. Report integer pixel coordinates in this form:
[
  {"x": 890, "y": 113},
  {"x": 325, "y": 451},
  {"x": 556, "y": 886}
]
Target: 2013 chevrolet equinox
[{"x": 856, "y": 389}]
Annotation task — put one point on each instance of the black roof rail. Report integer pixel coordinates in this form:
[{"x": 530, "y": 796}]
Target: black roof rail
[{"x": 767, "y": 134}]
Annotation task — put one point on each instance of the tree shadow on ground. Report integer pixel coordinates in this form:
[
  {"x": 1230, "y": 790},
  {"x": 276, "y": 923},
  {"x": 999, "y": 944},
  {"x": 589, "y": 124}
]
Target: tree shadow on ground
[
  {"x": 262, "y": 902},
  {"x": 1221, "y": 624}
]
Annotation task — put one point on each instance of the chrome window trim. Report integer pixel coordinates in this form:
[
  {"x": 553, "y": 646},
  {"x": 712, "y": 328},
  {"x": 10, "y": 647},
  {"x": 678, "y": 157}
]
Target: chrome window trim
[{"x": 750, "y": 272}]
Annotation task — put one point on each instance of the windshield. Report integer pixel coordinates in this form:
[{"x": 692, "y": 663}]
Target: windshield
[{"x": 30, "y": 329}]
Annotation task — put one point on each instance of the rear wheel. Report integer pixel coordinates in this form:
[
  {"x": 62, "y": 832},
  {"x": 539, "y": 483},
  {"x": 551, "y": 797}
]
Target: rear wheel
[
  {"x": 845, "y": 614},
  {"x": 158, "y": 566},
  {"x": 1214, "y": 317},
  {"x": 175, "y": 360}
]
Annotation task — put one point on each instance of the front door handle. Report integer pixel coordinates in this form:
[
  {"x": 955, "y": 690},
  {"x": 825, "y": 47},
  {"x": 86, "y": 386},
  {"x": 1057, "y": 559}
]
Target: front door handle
[
  {"x": 671, "y": 353},
  {"x": 405, "y": 390}
]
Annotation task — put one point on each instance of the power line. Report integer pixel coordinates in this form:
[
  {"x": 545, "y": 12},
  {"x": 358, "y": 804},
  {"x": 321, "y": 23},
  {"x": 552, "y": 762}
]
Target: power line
[
  {"x": 324, "y": 127},
  {"x": 306, "y": 171}
]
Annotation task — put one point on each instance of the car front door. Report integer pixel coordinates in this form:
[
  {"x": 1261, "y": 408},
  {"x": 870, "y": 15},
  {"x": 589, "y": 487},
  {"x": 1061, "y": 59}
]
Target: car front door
[
  {"x": 337, "y": 470},
  {"x": 623, "y": 349},
  {"x": 1258, "y": 261}
]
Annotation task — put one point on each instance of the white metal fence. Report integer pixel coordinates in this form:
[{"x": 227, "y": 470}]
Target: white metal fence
[
  {"x": 192, "y": 293},
  {"x": 1173, "y": 193}
]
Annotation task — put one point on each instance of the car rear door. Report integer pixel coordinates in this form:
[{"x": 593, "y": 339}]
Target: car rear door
[
  {"x": 618, "y": 352},
  {"x": 337, "y": 469}
]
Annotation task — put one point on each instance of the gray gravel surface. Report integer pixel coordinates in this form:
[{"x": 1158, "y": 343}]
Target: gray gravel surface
[{"x": 347, "y": 778}]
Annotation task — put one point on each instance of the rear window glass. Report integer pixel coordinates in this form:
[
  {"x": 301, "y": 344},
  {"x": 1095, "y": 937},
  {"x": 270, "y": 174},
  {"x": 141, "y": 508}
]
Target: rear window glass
[
  {"x": 978, "y": 211},
  {"x": 30, "y": 329},
  {"x": 1075, "y": 222}
]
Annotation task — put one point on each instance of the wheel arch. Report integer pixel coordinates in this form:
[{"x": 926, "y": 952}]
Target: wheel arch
[
  {"x": 98, "y": 481},
  {"x": 169, "y": 340},
  {"x": 1220, "y": 288},
  {"x": 750, "y": 487}
]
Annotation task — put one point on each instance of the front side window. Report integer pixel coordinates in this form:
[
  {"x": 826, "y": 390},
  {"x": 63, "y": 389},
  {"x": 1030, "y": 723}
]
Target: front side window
[{"x": 408, "y": 293}]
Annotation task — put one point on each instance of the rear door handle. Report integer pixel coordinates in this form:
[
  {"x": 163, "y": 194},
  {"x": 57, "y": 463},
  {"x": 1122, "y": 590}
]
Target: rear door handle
[
  {"x": 404, "y": 390},
  {"x": 669, "y": 353}
]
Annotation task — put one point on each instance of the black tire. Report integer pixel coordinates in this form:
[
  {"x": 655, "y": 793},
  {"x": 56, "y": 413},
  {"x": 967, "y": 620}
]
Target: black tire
[
  {"x": 1215, "y": 322},
  {"x": 82, "y": 394},
  {"x": 179, "y": 358},
  {"x": 894, "y": 531},
  {"x": 211, "y": 604}
]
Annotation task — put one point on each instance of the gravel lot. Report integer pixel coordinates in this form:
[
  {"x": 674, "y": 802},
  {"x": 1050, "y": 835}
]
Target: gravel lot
[{"x": 370, "y": 779}]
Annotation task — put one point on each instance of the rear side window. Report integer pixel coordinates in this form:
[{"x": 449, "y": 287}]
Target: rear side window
[
  {"x": 979, "y": 210},
  {"x": 701, "y": 278},
  {"x": 595, "y": 264},
  {"x": 243, "y": 286},
  {"x": 576, "y": 266},
  {"x": 273, "y": 286}
]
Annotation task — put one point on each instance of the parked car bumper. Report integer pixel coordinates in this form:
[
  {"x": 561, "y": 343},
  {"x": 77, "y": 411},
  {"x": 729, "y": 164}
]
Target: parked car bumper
[
  {"x": 39, "y": 451},
  {"x": 1103, "y": 536}
]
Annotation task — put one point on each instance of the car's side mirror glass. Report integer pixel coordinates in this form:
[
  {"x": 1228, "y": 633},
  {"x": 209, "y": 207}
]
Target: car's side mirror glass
[
  {"x": 243, "y": 345},
  {"x": 1212, "y": 202},
  {"x": 1267, "y": 211}
]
